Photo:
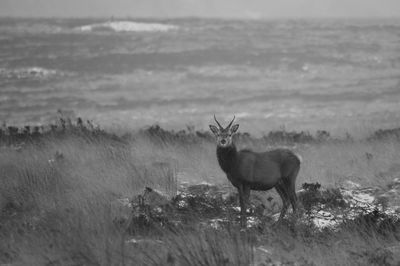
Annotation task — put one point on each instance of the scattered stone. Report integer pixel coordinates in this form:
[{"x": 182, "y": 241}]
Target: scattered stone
[
  {"x": 323, "y": 219},
  {"x": 58, "y": 157},
  {"x": 313, "y": 198},
  {"x": 328, "y": 208},
  {"x": 154, "y": 198},
  {"x": 311, "y": 186},
  {"x": 350, "y": 185},
  {"x": 217, "y": 223},
  {"x": 253, "y": 221},
  {"x": 217, "y": 207}
]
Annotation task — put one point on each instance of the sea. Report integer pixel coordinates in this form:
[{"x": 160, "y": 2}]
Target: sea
[{"x": 340, "y": 75}]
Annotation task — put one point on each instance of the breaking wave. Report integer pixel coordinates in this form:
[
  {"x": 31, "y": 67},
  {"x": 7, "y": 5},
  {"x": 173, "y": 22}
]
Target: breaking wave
[
  {"x": 38, "y": 73},
  {"x": 128, "y": 26}
]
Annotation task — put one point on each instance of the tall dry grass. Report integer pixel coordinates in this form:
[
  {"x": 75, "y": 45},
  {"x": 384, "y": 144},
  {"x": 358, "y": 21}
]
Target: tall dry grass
[{"x": 56, "y": 200}]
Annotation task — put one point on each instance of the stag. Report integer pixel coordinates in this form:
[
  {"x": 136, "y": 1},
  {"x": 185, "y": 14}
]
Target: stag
[{"x": 260, "y": 171}]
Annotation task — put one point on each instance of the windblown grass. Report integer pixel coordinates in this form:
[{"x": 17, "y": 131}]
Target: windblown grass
[{"x": 57, "y": 192}]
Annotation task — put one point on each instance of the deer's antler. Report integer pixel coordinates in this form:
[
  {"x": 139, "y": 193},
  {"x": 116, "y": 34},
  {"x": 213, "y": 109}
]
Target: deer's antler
[
  {"x": 230, "y": 124},
  {"x": 220, "y": 127}
]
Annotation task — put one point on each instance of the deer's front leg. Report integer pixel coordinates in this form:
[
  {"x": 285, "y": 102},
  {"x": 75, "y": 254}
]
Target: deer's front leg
[{"x": 244, "y": 194}]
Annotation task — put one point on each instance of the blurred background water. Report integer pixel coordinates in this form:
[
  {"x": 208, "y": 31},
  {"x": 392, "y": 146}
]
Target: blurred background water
[{"x": 339, "y": 75}]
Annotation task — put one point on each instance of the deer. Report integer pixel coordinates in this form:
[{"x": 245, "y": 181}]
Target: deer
[{"x": 259, "y": 171}]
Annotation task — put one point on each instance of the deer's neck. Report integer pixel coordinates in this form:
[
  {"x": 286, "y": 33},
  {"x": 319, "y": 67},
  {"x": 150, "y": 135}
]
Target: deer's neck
[{"x": 227, "y": 157}]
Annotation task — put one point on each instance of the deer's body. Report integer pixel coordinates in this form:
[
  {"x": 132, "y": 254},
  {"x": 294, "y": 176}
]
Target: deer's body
[
  {"x": 248, "y": 170},
  {"x": 260, "y": 171}
]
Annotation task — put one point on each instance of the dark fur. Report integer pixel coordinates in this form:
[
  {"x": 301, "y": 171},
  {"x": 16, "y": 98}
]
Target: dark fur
[{"x": 248, "y": 170}]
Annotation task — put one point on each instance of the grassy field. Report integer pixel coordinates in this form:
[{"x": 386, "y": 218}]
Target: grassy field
[{"x": 58, "y": 188}]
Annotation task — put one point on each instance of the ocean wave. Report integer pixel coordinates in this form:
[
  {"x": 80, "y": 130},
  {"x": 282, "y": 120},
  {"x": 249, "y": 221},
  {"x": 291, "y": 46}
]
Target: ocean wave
[
  {"x": 128, "y": 26},
  {"x": 37, "y": 73}
]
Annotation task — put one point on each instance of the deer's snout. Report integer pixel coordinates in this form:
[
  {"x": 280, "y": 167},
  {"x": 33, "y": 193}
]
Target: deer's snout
[{"x": 223, "y": 142}]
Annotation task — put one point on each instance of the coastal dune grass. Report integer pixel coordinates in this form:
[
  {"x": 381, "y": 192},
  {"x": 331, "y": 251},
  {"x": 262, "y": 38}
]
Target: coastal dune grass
[{"x": 56, "y": 200}]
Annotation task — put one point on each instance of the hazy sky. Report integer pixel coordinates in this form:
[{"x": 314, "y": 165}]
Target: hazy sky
[{"x": 213, "y": 8}]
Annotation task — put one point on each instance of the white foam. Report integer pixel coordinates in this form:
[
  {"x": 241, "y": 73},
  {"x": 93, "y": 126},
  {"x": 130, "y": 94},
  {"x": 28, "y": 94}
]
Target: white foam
[
  {"x": 128, "y": 26},
  {"x": 27, "y": 72}
]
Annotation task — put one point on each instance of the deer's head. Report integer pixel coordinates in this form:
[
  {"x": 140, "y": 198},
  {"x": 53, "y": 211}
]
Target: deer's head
[{"x": 224, "y": 135}]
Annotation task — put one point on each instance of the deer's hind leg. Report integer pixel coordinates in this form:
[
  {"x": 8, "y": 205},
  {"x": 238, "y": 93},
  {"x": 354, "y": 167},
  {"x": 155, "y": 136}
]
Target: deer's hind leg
[
  {"x": 280, "y": 188},
  {"x": 291, "y": 189}
]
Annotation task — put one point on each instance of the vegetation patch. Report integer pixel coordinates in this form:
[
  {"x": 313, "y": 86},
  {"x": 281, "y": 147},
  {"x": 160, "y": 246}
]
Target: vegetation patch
[{"x": 74, "y": 194}]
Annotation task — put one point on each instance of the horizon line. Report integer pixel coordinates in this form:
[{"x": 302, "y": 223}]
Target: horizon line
[{"x": 261, "y": 18}]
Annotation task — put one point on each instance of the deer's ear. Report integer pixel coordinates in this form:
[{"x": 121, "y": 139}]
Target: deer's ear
[
  {"x": 214, "y": 129},
  {"x": 234, "y": 128}
]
